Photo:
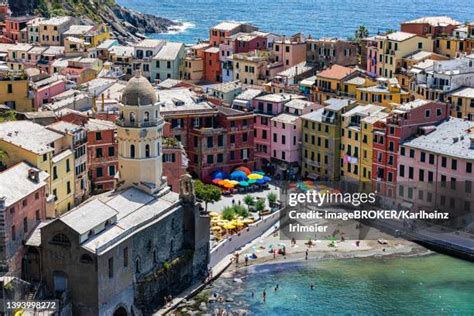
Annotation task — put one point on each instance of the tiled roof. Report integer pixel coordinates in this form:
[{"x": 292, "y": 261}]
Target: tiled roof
[{"x": 336, "y": 72}]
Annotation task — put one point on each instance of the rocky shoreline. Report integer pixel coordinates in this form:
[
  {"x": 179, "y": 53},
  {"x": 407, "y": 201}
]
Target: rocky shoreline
[{"x": 127, "y": 25}]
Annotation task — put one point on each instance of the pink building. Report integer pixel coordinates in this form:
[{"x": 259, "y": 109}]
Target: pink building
[
  {"x": 291, "y": 51},
  {"x": 44, "y": 90},
  {"x": 372, "y": 57},
  {"x": 22, "y": 206},
  {"x": 436, "y": 169},
  {"x": 175, "y": 160}
]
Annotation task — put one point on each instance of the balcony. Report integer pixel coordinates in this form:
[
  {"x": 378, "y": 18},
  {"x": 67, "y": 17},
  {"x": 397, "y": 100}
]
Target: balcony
[
  {"x": 209, "y": 131},
  {"x": 136, "y": 124}
]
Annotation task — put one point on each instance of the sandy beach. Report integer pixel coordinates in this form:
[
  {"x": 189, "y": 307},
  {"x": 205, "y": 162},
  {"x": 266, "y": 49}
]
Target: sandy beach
[{"x": 325, "y": 249}]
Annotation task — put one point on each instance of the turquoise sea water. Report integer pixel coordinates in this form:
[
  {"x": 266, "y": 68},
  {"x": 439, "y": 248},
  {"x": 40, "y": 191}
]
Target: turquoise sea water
[
  {"x": 428, "y": 285},
  {"x": 334, "y": 18}
]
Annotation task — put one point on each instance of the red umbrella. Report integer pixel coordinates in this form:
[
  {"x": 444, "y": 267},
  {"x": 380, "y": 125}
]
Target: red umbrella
[{"x": 244, "y": 169}]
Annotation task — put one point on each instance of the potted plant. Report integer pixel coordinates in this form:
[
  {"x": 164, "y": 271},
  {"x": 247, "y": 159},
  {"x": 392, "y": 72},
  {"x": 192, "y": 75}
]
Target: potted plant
[
  {"x": 272, "y": 198},
  {"x": 250, "y": 202}
]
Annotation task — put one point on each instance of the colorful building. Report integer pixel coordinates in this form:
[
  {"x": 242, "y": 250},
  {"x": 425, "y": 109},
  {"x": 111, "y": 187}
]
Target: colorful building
[
  {"x": 14, "y": 91},
  {"x": 289, "y": 51},
  {"x": 212, "y": 65},
  {"x": 252, "y": 67},
  {"x": 353, "y": 137},
  {"x": 393, "y": 47},
  {"x": 23, "y": 206},
  {"x": 76, "y": 135},
  {"x": 404, "y": 122},
  {"x": 462, "y": 103},
  {"x": 44, "y": 90},
  {"x": 102, "y": 159},
  {"x": 329, "y": 82},
  {"x": 325, "y": 52},
  {"x": 435, "y": 169},
  {"x": 192, "y": 66},
  {"x": 45, "y": 150},
  {"x": 430, "y": 26},
  {"x": 51, "y": 30},
  {"x": 221, "y": 31},
  {"x": 386, "y": 92},
  {"x": 321, "y": 140},
  {"x": 166, "y": 63}
]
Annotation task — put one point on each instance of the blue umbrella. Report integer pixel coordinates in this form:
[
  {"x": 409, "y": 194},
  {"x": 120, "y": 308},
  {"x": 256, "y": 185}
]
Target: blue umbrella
[
  {"x": 218, "y": 174},
  {"x": 260, "y": 181},
  {"x": 238, "y": 175},
  {"x": 267, "y": 179}
]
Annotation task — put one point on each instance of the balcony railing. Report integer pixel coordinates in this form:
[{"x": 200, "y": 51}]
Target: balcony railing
[{"x": 136, "y": 124}]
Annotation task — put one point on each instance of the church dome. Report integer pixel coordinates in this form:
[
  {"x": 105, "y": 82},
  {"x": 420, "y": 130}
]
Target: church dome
[{"x": 139, "y": 91}]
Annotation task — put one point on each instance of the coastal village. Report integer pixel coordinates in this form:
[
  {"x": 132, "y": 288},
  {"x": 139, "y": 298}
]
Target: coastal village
[{"x": 109, "y": 149}]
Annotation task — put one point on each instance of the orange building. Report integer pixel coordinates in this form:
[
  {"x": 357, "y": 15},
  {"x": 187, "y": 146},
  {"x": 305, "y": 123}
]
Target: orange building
[
  {"x": 212, "y": 65},
  {"x": 222, "y": 30}
]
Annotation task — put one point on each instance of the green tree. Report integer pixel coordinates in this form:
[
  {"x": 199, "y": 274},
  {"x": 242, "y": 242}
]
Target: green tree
[
  {"x": 228, "y": 213},
  {"x": 360, "y": 33},
  {"x": 7, "y": 116},
  {"x": 260, "y": 205},
  {"x": 207, "y": 192},
  {"x": 249, "y": 201}
]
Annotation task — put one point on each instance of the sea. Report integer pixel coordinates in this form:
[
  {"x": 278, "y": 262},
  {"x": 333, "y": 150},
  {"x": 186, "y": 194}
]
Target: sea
[
  {"x": 425, "y": 285},
  {"x": 318, "y": 18}
]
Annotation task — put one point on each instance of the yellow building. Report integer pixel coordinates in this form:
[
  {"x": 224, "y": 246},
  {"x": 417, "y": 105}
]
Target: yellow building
[
  {"x": 92, "y": 35},
  {"x": 385, "y": 93},
  {"x": 356, "y": 143},
  {"x": 450, "y": 47},
  {"x": 250, "y": 68},
  {"x": 462, "y": 103},
  {"x": 14, "y": 91},
  {"x": 330, "y": 82},
  {"x": 367, "y": 133},
  {"x": 321, "y": 143},
  {"x": 393, "y": 47},
  {"x": 46, "y": 150},
  {"x": 349, "y": 86}
]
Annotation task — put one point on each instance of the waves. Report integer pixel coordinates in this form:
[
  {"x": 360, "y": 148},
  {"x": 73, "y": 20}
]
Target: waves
[{"x": 173, "y": 30}]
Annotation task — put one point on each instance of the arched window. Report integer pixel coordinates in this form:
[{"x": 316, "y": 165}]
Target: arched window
[
  {"x": 147, "y": 151},
  {"x": 138, "y": 266},
  {"x": 60, "y": 240},
  {"x": 132, "y": 117},
  {"x": 146, "y": 116},
  {"x": 132, "y": 151},
  {"x": 85, "y": 258}
]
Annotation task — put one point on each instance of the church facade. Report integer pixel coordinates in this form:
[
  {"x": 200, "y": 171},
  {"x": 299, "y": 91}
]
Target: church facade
[{"x": 121, "y": 252}]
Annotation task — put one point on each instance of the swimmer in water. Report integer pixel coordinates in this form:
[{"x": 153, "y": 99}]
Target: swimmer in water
[
  {"x": 264, "y": 295},
  {"x": 312, "y": 286}
]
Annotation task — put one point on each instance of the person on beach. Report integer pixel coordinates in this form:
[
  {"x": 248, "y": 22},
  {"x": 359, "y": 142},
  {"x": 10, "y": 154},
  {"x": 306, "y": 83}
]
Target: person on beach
[
  {"x": 246, "y": 260},
  {"x": 306, "y": 254},
  {"x": 264, "y": 295}
]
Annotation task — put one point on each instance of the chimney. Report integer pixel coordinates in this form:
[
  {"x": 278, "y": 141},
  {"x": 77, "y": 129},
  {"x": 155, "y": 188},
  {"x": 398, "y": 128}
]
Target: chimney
[{"x": 33, "y": 175}]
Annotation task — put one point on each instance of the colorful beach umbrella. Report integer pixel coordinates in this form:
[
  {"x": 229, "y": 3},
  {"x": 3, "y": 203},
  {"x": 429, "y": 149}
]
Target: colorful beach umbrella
[
  {"x": 219, "y": 174},
  {"x": 243, "y": 183},
  {"x": 260, "y": 181},
  {"x": 244, "y": 169},
  {"x": 255, "y": 176},
  {"x": 259, "y": 172},
  {"x": 238, "y": 175},
  {"x": 252, "y": 181},
  {"x": 267, "y": 179}
]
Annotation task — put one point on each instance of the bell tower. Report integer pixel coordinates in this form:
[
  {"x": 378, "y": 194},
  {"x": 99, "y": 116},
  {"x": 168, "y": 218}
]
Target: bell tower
[{"x": 139, "y": 134}]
